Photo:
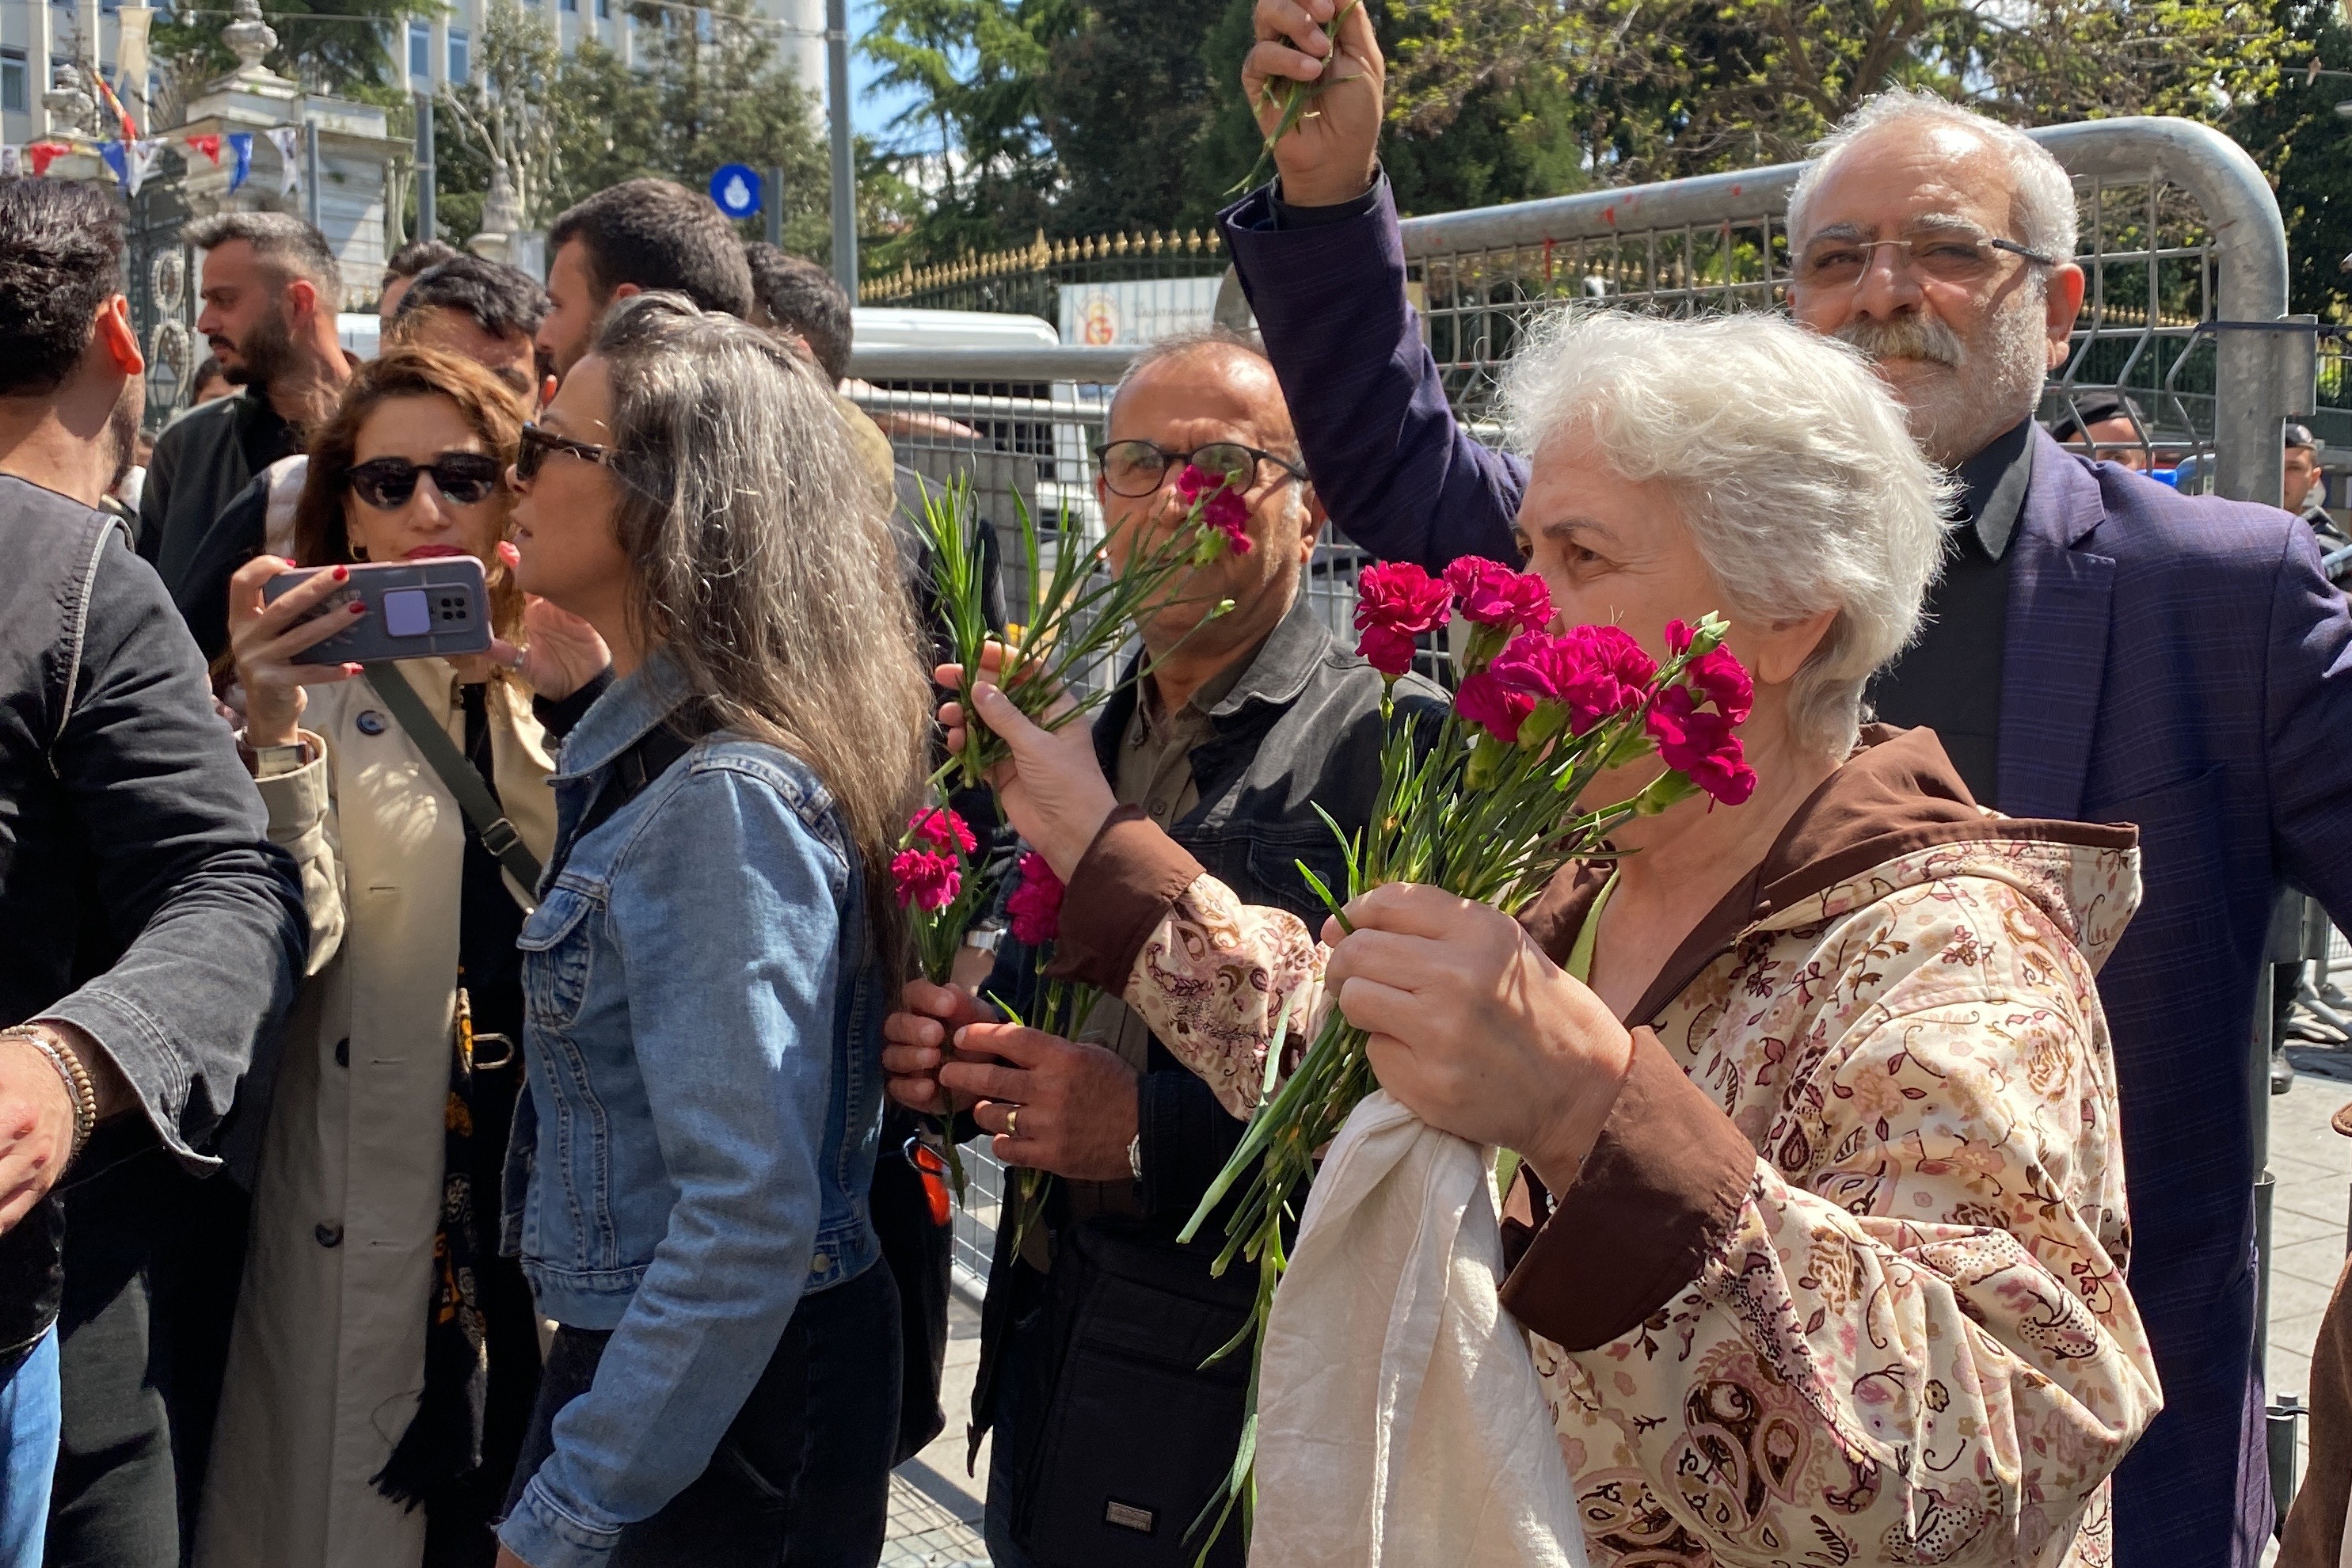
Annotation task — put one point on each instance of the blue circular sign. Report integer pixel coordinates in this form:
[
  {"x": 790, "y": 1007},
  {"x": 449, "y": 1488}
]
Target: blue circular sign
[{"x": 735, "y": 188}]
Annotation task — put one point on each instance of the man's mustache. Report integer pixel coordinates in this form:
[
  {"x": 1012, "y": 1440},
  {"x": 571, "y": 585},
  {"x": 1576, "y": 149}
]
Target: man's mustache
[{"x": 1915, "y": 336}]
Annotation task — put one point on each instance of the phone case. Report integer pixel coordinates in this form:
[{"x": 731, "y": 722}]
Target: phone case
[{"x": 416, "y": 609}]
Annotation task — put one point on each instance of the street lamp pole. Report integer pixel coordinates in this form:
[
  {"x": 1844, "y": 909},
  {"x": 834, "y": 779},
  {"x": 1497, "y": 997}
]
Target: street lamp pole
[
  {"x": 425, "y": 214},
  {"x": 845, "y": 172}
]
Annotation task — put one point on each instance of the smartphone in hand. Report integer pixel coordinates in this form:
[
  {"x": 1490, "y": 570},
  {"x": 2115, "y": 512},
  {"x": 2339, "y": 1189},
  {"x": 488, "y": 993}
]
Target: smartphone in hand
[{"x": 415, "y": 609}]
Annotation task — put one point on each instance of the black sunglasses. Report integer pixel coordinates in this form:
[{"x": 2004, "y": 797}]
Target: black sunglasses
[
  {"x": 539, "y": 444},
  {"x": 1137, "y": 469},
  {"x": 464, "y": 479}
]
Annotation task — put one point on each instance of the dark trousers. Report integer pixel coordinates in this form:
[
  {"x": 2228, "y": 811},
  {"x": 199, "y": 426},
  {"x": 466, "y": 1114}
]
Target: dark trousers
[
  {"x": 152, "y": 1261},
  {"x": 802, "y": 1480}
]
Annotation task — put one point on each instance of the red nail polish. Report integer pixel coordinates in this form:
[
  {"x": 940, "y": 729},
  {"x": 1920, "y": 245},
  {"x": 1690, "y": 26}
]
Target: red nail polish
[
  {"x": 342, "y": 574},
  {"x": 358, "y": 608}
]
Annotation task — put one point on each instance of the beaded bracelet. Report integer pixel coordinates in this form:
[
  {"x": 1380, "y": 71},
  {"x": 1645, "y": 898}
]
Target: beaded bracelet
[{"x": 78, "y": 1087}]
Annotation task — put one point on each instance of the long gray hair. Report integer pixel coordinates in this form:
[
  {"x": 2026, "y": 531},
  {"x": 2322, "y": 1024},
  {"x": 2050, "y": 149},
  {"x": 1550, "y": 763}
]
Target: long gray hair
[{"x": 763, "y": 558}]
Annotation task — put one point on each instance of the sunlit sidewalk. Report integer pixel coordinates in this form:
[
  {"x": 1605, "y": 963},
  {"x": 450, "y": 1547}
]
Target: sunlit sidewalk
[{"x": 935, "y": 1508}]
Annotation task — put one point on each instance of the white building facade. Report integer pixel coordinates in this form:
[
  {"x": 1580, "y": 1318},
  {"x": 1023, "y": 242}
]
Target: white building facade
[{"x": 38, "y": 36}]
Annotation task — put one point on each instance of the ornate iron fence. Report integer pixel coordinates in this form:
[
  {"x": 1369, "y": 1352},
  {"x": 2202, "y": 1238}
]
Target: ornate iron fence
[{"x": 1028, "y": 280}]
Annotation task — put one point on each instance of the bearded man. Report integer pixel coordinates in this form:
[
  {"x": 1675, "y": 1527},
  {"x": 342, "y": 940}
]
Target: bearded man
[
  {"x": 272, "y": 289},
  {"x": 2100, "y": 646}
]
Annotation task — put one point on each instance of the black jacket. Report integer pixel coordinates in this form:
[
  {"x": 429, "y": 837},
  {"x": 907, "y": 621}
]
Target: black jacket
[
  {"x": 1300, "y": 729},
  {"x": 140, "y": 898}
]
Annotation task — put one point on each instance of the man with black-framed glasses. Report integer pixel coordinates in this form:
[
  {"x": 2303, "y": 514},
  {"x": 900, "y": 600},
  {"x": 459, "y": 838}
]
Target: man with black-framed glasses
[
  {"x": 1245, "y": 723},
  {"x": 2101, "y": 648}
]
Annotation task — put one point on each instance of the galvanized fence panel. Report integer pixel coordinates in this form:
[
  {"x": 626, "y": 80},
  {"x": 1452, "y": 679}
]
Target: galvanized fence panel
[{"x": 2183, "y": 316}]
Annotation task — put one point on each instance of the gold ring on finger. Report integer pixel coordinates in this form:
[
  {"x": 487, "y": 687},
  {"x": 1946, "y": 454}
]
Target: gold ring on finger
[{"x": 1012, "y": 1122}]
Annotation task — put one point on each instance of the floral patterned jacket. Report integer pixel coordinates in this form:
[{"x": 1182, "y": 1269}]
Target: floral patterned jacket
[{"x": 1843, "y": 1280}]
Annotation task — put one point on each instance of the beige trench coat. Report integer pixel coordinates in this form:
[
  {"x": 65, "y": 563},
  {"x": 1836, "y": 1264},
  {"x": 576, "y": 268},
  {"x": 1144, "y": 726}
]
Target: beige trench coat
[{"x": 326, "y": 1358}]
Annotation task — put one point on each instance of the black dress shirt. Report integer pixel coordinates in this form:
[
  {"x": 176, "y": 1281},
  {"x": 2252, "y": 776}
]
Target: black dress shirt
[{"x": 1950, "y": 680}]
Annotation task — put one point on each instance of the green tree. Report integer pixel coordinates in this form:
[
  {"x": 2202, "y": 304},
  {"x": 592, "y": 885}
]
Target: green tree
[
  {"x": 1686, "y": 86},
  {"x": 974, "y": 142},
  {"x": 706, "y": 89},
  {"x": 2305, "y": 147},
  {"x": 338, "y": 47}
]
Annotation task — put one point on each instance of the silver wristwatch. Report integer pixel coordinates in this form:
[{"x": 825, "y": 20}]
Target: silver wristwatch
[{"x": 1135, "y": 1155}]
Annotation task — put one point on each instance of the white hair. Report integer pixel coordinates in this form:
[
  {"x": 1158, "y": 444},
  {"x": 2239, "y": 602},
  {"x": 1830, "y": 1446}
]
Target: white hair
[
  {"x": 1789, "y": 461},
  {"x": 2041, "y": 203}
]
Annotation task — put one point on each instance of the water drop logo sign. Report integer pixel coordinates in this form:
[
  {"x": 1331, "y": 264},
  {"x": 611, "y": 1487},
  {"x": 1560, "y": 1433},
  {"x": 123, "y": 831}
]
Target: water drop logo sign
[{"x": 735, "y": 187}]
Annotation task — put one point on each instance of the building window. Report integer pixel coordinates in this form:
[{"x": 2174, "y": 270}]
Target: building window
[
  {"x": 604, "y": 10},
  {"x": 569, "y": 4},
  {"x": 461, "y": 55},
  {"x": 420, "y": 49},
  {"x": 15, "y": 94}
]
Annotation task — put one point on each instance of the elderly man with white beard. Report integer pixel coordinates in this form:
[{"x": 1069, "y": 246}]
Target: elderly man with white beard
[{"x": 2100, "y": 648}]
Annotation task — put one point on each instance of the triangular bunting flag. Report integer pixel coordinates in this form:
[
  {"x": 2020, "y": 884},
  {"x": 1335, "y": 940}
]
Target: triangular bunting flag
[
  {"x": 240, "y": 147},
  {"x": 41, "y": 155},
  {"x": 208, "y": 145},
  {"x": 121, "y": 115},
  {"x": 143, "y": 155},
  {"x": 131, "y": 161},
  {"x": 287, "y": 138}
]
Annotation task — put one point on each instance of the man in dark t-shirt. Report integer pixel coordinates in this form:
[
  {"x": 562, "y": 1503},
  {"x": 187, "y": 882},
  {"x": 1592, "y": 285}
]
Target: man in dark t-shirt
[
  {"x": 272, "y": 289},
  {"x": 149, "y": 931}
]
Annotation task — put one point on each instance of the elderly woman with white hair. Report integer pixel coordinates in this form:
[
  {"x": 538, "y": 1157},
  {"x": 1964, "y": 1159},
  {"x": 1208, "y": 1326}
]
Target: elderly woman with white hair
[{"x": 1821, "y": 1231}]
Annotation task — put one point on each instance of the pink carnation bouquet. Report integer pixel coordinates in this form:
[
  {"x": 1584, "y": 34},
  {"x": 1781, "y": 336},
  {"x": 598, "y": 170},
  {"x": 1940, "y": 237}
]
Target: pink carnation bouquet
[
  {"x": 1490, "y": 807},
  {"x": 941, "y": 879}
]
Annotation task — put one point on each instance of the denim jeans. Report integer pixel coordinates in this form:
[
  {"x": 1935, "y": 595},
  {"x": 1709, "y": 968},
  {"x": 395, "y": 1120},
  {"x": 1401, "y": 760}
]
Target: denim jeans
[
  {"x": 802, "y": 1479},
  {"x": 153, "y": 1255},
  {"x": 28, "y": 1445}
]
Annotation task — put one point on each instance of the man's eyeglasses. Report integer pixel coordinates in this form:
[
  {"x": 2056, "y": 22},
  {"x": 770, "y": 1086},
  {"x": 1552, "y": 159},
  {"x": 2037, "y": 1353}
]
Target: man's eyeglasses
[
  {"x": 539, "y": 445},
  {"x": 1137, "y": 469},
  {"x": 464, "y": 479},
  {"x": 1950, "y": 255}
]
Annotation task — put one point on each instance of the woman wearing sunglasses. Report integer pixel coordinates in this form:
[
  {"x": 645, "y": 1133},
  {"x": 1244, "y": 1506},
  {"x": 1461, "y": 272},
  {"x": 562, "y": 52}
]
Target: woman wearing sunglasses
[
  {"x": 384, "y": 1355},
  {"x": 709, "y": 966}
]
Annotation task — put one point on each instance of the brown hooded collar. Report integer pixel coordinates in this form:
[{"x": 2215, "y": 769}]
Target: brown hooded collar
[{"x": 1898, "y": 793}]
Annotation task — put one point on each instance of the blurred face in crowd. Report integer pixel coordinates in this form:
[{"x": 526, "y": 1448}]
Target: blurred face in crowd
[
  {"x": 574, "y": 308},
  {"x": 511, "y": 358},
  {"x": 1964, "y": 334},
  {"x": 2114, "y": 441},
  {"x": 250, "y": 315},
  {"x": 214, "y": 384},
  {"x": 2301, "y": 472},
  {"x": 387, "y": 304},
  {"x": 462, "y": 515},
  {"x": 1213, "y": 395},
  {"x": 564, "y": 522}
]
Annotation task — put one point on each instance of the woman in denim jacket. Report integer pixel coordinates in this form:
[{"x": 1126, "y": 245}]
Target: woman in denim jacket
[{"x": 708, "y": 965}]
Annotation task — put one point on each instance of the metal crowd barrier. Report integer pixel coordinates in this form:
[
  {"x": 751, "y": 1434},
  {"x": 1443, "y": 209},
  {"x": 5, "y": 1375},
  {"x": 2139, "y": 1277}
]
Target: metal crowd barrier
[{"x": 2184, "y": 314}]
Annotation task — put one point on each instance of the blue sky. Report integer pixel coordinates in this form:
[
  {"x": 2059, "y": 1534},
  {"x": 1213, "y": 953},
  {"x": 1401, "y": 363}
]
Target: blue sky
[{"x": 875, "y": 111}]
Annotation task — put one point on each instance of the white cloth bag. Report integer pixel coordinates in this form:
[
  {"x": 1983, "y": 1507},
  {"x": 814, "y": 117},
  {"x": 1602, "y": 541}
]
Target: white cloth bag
[{"x": 1400, "y": 1422}]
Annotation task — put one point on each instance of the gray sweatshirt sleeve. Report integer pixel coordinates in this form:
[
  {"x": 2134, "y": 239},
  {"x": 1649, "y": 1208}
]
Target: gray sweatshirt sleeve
[{"x": 211, "y": 911}]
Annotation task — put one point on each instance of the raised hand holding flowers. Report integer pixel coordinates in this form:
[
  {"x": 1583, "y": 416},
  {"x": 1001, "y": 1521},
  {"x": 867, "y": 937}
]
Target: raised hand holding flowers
[{"x": 1078, "y": 610}]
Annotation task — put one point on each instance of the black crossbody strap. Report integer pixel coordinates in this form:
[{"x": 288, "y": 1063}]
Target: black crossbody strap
[
  {"x": 491, "y": 826},
  {"x": 632, "y": 772}
]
